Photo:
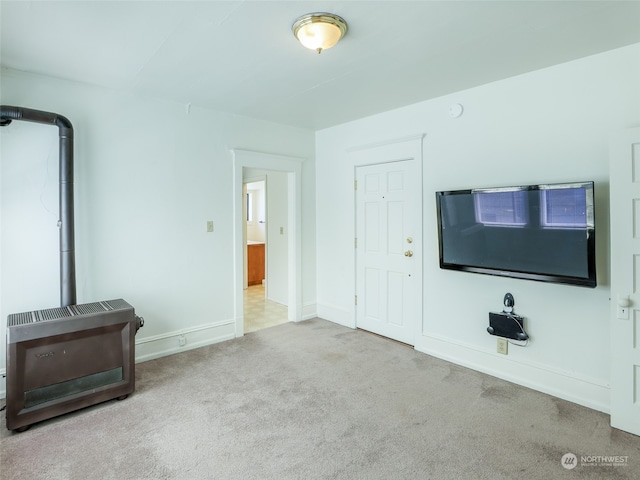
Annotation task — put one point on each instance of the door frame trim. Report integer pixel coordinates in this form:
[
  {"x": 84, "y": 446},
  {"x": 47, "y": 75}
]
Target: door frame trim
[{"x": 293, "y": 167}]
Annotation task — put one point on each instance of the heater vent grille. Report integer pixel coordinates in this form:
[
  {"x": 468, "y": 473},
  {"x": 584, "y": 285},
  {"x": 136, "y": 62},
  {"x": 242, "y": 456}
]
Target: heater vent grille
[
  {"x": 117, "y": 304},
  {"x": 66, "y": 312},
  {"x": 22, "y": 318},
  {"x": 54, "y": 313},
  {"x": 90, "y": 308}
]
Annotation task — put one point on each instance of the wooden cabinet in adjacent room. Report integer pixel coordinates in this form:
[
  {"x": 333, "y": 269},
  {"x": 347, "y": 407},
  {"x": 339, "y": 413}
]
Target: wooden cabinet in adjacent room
[{"x": 255, "y": 263}]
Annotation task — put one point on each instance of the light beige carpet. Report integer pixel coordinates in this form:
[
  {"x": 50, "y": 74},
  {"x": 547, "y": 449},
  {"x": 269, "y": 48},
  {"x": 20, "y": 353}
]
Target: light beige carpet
[{"x": 315, "y": 400}]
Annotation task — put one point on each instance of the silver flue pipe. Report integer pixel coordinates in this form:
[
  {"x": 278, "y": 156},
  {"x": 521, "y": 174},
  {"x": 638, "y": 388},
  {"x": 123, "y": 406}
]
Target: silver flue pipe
[{"x": 66, "y": 219}]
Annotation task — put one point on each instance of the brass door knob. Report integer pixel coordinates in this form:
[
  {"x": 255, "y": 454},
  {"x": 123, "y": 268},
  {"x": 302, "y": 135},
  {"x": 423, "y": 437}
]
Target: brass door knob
[{"x": 408, "y": 253}]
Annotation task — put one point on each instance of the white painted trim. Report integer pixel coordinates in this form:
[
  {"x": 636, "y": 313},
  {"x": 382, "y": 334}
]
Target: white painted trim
[
  {"x": 157, "y": 346},
  {"x": 579, "y": 389},
  {"x": 3, "y": 383},
  {"x": 309, "y": 311},
  {"x": 259, "y": 160},
  {"x": 259, "y": 178},
  {"x": 293, "y": 167},
  {"x": 418, "y": 136},
  {"x": 184, "y": 331}
]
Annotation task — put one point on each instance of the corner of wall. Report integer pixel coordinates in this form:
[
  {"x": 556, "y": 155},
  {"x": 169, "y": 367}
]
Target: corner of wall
[{"x": 309, "y": 311}]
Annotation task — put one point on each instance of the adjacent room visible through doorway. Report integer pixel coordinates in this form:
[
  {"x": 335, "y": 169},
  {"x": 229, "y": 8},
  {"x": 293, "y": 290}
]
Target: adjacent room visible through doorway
[
  {"x": 259, "y": 312},
  {"x": 265, "y": 284}
]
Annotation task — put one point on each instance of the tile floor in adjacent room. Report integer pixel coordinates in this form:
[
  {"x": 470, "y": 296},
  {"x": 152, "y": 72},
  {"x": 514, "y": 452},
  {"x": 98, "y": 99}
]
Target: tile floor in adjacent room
[{"x": 259, "y": 312}]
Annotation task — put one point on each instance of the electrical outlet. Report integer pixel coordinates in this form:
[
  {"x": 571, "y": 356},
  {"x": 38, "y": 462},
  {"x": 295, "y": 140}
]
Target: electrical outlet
[
  {"x": 502, "y": 346},
  {"x": 182, "y": 341},
  {"x": 210, "y": 226}
]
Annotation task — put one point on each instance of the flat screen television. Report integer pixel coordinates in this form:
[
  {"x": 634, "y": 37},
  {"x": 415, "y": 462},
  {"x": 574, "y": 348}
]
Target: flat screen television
[{"x": 534, "y": 232}]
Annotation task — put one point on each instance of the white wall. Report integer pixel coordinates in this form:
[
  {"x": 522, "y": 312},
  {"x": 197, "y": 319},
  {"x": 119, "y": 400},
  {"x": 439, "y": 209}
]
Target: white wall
[
  {"x": 148, "y": 175},
  {"x": 277, "y": 237},
  {"x": 551, "y": 125}
]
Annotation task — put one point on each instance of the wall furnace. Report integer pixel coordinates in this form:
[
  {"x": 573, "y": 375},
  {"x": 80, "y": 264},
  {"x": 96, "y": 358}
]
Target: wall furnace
[
  {"x": 63, "y": 359},
  {"x": 73, "y": 356}
]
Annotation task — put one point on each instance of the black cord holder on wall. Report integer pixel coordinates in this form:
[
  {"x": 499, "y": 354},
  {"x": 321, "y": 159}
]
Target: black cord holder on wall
[{"x": 507, "y": 324}]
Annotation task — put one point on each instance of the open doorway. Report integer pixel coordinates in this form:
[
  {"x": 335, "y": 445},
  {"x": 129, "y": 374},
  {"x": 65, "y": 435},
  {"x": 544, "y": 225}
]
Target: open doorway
[
  {"x": 265, "y": 282},
  {"x": 291, "y": 167}
]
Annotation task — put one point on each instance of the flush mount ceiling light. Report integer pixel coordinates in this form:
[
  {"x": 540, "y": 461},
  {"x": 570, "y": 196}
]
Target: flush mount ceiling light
[{"x": 319, "y": 31}]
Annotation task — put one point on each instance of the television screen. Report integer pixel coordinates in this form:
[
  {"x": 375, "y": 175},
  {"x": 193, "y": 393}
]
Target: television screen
[{"x": 535, "y": 232}]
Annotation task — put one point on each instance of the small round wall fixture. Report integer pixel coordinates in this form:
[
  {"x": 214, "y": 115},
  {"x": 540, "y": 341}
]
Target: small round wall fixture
[
  {"x": 319, "y": 31},
  {"x": 455, "y": 110}
]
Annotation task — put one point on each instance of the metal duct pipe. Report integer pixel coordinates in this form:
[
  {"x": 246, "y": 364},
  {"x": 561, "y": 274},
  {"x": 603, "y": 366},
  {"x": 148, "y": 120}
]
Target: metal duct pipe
[{"x": 67, "y": 244}]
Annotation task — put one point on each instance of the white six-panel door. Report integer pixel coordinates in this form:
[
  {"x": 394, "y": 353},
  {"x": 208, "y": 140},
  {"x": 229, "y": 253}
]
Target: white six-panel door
[
  {"x": 389, "y": 249},
  {"x": 624, "y": 172}
]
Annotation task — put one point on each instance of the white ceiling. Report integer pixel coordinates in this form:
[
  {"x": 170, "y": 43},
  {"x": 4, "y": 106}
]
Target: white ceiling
[{"x": 241, "y": 56}]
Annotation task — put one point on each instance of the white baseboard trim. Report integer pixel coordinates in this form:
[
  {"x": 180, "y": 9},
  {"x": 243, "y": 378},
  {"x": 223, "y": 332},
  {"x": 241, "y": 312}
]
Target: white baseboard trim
[
  {"x": 588, "y": 392},
  {"x": 309, "y": 311},
  {"x": 337, "y": 315},
  {"x": 149, "y": 348}
]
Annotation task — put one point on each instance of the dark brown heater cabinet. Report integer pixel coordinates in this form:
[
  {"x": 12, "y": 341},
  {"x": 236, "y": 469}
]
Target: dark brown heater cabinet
[{"x": 66, "y": 358}]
